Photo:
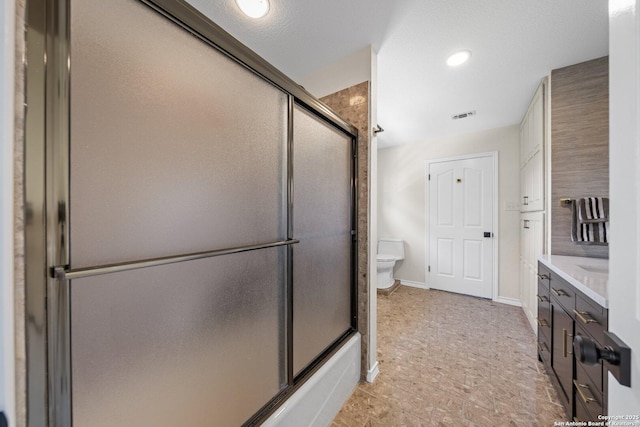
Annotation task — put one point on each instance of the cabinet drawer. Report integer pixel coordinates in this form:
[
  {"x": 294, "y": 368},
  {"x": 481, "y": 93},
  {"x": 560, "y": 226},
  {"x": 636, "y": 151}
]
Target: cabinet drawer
[
  {"x": 543, "y": 292},
  {"x": 563, "y": 292},
  {"x": 544, "y": 275},
  {"x": 544, "y": 349},
  {"x": 582, "y": 414},
  {"x": 587, "y": 393},
  {"x": 544, "y": 312},
  {"x": 592, "y": 317}
]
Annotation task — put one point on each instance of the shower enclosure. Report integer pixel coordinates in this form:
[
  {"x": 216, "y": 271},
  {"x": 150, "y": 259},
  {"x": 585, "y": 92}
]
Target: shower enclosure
[{"x": 191, "y": 221}]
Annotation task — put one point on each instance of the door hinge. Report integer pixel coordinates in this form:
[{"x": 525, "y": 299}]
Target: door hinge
[
  {"x": 429, "y": 177},
  {"x": 429, "y": 269}
]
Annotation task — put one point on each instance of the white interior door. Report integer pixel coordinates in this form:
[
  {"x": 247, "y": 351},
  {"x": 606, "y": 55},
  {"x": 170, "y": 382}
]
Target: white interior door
[
  {"x": 460, "y": 215},
  {"x": 624, "y": 170}
]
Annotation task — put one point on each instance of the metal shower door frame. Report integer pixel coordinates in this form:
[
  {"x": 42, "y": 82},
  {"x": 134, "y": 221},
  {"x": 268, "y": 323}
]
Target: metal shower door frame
[{"x": 49, "y": 392}]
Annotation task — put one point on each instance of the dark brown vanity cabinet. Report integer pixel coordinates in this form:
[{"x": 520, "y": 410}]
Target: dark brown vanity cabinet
[{"x": 563, "y": 312}]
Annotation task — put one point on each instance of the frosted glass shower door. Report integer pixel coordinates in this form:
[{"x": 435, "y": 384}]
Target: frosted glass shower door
[
  {"x": 322, "y": 222},
  {"x": 175, "y": 150},
  {"x": 195, "y": 344},
  {"x": 174, "y": 147}
]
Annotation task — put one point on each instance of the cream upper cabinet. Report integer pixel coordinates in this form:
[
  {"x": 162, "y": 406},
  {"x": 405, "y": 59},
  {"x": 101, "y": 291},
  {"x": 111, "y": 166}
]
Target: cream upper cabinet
[
  {"x": 532, "y": 133},
  {"x": 532, "y": 137}
]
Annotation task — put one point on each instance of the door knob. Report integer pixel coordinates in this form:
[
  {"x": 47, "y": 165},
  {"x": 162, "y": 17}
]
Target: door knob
[
  {"x": 615, "y": 354},
  {"x": 590, "y": 354},
  {"x": 487, "y": 234}
]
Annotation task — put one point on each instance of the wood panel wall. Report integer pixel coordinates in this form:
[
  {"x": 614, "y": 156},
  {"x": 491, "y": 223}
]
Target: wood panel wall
[{"x": 579, "y": 147}]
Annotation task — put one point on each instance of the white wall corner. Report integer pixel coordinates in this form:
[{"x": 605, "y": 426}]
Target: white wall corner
[
  {"x": 373, "y": 372},
  {"x": 372, "y": 361},
  {"x": 341, "y": 74}
]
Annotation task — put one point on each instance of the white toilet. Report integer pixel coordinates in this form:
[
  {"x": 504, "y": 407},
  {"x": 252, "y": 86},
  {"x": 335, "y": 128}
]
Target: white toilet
[{"x": 389, "y": 251}]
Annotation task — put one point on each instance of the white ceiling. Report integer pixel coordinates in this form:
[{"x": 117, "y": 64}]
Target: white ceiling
[{"x": 514, "y": 43}]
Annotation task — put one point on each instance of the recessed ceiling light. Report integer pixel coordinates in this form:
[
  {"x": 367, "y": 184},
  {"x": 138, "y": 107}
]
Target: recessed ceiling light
[
  {"x": 254, "y": 8},
  {"x": 458, "y": 58}
]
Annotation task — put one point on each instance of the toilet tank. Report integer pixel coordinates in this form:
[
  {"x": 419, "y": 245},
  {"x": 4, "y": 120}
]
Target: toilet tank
[{"x": 394, "y": 247}]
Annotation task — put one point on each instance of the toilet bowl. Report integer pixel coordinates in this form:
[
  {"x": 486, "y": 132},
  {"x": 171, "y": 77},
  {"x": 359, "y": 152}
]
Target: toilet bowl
[{"x": 389, "y": 252}]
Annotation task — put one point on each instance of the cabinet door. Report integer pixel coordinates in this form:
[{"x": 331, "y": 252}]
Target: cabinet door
[
  {"x": 536, "y": 123},
  {"x": 532, "y": 292},
  {"x": 535, "y": 182},
  {"x": 524, "y": 141},
  {"x": 562, "y": 359},
  {"x": 524, "y": 266},
  {"x": 524, "y": 285},
  {"x": 532, "y": 134},
  {"x": 525, "y": 188},
  {"x": 532, "y": 184},
  {"x": 536, "y": 240},
  {"x": 531, "y": 239}
]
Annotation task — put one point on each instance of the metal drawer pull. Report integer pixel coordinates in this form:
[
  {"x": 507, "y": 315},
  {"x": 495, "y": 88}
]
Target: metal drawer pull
[
  {"x": 542, "y": 347},
  {"x": 559, "y": 292},
  {"x": 543, "y": 323},
  {"x": 580, "y": 389},
  {"x": 543, "y": 277},
  {"x": 582, "y": 315},
  {"x": 565, "y": 351},
  {"x": 542, "y": 298}
]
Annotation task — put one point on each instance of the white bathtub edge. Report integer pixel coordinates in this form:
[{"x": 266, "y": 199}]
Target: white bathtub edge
[{"x": 319, "y": 399}]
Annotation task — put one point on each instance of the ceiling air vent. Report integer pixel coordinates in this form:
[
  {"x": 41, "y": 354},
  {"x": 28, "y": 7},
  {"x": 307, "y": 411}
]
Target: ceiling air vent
[{"x": 464, "y": 115}]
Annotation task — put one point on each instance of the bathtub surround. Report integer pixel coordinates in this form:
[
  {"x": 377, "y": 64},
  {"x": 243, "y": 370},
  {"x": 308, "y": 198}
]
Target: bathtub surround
[
  {"x": 352, "y": 104},
  {"x": 579, "y": 147},
  {"x": 401, "y": 207}
]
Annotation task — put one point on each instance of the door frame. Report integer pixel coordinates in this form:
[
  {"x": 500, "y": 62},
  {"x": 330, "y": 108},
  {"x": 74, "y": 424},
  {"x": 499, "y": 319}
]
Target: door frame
[{"x": 493, "y": 155}]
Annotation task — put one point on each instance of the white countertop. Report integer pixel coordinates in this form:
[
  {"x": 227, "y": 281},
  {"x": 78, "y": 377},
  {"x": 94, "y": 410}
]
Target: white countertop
[{"x": 589, "y": 275}]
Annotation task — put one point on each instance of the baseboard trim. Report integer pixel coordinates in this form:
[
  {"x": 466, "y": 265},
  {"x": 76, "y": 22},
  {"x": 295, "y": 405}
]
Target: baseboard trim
[
  {"x": 414, "y": 284},
  {"x": 391, "y": 289},
  {"x": 373, "y": 372},
  {"x": 509, "y": 301}
]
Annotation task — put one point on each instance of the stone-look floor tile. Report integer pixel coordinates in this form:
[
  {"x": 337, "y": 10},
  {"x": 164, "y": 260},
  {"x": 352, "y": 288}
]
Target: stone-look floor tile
[{"x": 453, "y": 360}]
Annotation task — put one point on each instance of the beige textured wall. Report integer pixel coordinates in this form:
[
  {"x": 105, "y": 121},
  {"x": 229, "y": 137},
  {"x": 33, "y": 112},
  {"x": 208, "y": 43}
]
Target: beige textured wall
[
  {"x": 579, "y": 147},
  {"x": 401, "y": 199},
  {"x": 352, "y": 104}
]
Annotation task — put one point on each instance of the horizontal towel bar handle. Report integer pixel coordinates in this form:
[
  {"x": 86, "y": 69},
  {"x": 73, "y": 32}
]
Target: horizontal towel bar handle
[{"x": 64, "y": 273}]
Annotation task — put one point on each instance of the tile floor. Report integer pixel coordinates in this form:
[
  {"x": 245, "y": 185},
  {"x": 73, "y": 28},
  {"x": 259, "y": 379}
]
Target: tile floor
[{"x": 452, "y": 360}]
